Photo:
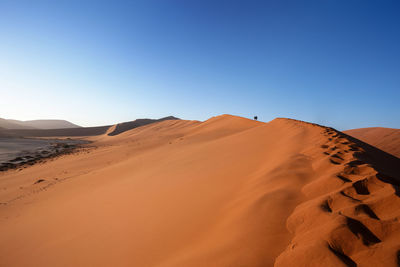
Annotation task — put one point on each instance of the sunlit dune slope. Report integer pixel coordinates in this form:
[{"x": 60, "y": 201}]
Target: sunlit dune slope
[
  {"x": 386, "y": 139},
  {"x": 225, "y": 192}
]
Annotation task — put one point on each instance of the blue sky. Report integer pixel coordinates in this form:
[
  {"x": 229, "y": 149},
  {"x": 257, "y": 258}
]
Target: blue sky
[{"x": 100, "y": 62}]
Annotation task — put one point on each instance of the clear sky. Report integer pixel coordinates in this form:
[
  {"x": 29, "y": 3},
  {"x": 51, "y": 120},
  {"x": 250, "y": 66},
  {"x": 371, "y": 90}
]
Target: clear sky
[{"x": 100, "y": 62}]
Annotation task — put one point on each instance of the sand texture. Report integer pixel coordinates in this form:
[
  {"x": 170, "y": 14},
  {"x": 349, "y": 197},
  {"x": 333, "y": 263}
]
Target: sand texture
[
  {"x": 225, "y": 192},
  {"x": 386, "y": 139}
]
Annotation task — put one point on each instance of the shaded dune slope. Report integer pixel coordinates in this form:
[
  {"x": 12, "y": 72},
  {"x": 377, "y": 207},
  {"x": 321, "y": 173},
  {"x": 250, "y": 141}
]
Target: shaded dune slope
[
  {"x": 225, "y": 192},
  {"x": 386, "y": 139},
  {"x": 126, "y": 126}
]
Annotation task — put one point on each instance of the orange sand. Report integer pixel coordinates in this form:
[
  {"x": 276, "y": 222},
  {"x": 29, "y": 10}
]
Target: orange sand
[
  {"x": 225, "y": 192},
  {"x": 386, "y": 139}
]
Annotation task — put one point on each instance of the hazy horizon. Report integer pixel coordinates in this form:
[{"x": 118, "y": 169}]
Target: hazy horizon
[{"x": 100, "y": 63}]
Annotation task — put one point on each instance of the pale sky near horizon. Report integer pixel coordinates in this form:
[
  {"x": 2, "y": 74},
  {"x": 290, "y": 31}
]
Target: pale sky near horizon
[{"x": 335, "y": 63}]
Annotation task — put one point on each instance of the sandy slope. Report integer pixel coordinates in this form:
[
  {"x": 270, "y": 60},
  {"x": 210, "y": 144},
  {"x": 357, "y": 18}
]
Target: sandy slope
[
  {"x": 386, "y": 139},
  {"x": 224, "y": 192}
]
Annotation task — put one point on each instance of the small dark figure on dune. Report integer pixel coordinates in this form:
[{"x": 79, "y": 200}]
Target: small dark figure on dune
[{"x": 255, "y": 118}]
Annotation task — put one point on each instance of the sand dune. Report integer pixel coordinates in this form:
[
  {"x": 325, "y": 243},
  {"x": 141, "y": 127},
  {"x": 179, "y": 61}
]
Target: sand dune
[
  {"x": 79, "y": 131},
  {"x": 36, "y": 124},
  {"x": 126, "y": 126},
  {"x": 49, "y": 124},
  {"x": 386, "y": 139},
  {"x": 225, "y": 192},
  {"x": 9, "y": 124}
]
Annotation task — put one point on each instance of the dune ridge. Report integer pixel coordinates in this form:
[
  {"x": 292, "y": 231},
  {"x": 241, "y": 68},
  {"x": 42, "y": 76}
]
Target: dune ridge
[
  {"x": 356, "y": 220},
  {"x": 225, "y": 192}
]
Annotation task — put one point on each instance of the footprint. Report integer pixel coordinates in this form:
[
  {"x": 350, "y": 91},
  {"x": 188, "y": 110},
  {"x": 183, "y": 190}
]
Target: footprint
[
  {"x": 334, "y": 161},
  {"x": 361, "y": 187},
  {"x": 337, "y": 156},
  {"x": 351, "y": 170},
  {"x": 364, "y": 208},
  {"x": 325, "y": 206},
  {"x": 361, "y": 231},
  {"x": 344, "y": 179},
  {"x": 342, "y": 256}
]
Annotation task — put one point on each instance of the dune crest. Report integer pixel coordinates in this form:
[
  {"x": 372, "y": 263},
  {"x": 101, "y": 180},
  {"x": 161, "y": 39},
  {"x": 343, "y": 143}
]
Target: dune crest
[
  {"x": 225, "y": 192},
  {"x": 354, "y": 222}
]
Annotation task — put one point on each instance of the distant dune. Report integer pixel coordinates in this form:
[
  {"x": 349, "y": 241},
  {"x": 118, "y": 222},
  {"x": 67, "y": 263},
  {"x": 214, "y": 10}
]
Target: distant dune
[
  {"x": 125, "y": 126},
  {"x": 10, "y": 124},
  {"x": 71, "y": 132},
  {"x": 386, "y": 139},
  {"x": 36, "y": 124},
  {"x": 81, "y": 131},
  {"x": 50, "y": 124},
  {"x": 225, "y": 192}
]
